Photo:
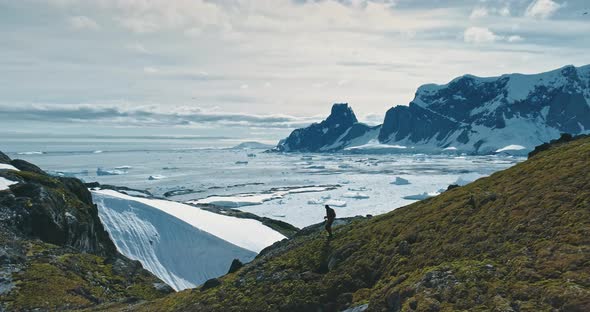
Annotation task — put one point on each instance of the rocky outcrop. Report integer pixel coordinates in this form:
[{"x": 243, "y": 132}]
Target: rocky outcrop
[
  {"x": 340, "y": 130},
  {"x": 55, "y": 251}
]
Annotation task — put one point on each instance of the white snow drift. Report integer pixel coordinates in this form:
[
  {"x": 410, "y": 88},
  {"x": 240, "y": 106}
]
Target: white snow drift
[{"x": 181, "y": 244}]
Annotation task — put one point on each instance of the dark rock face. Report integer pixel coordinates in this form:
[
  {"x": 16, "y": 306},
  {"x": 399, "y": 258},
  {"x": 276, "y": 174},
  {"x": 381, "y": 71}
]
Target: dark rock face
[
  {"x": 331, "y": 134},
  {"x": 211, "y": 283},
  {"x": 415, "y": 123},
  {"x": 55, "y": 253},
  {"x": 483, "y": 114},
  {"x": 4, "y": 159},
  {"x": 27, "y": 166},
  {"x": 57, "y": 211},
  {"x": 236, "y": 264}
]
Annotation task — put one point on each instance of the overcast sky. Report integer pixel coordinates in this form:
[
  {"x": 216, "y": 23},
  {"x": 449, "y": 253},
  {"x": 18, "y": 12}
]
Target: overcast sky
[{"x": 258, "y": 68}]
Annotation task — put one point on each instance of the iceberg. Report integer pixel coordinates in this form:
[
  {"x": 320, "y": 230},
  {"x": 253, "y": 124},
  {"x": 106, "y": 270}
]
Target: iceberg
[
  {"x": 355, "y": 195},
  {"x": 336, "y": 203},
  {"x": 400, "y": 181}
]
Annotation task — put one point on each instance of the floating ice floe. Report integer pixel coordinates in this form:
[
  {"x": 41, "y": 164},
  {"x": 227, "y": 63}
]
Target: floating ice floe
[
  {"x": 156, "y": 177},
  {"x": 420, "y": 196},
  {"x": 336, "y": 203},
  {"x": 468, "y": 178},
  {"x": 5, "y": 183},
  {"x": 358, "y": 189},
  {"x": 103, "y": 172},
  {"x": 512, "y": 147},
  {"x": 355, "y": 195},
  {"x": 97, "y": 152},
  {"x": 400, "y": 181},
  {"x": 241, "y": 200},
  {"x": 8, "y": 167},
  {"x": 374, "y": 146},
  {"x": 450, "y": 148},
  {"x": 123, "y": 167},
  {"x": 31, "y": 153},
  {"x": 69, "y": 173}
]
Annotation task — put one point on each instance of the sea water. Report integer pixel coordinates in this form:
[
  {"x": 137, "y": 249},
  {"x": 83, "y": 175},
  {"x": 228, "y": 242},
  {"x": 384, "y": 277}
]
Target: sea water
[{"x": 290, "y": 187}]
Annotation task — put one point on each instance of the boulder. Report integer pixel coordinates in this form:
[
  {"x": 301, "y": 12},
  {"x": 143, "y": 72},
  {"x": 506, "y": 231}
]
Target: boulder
[
  {"x": 210, "y": 283},
  {"x": 236, "y": 264},
  {"x": 4, "y": 159},
  {"x": 24, "y": 165}
]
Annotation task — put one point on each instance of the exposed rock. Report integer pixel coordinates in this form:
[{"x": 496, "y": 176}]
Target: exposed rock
[
  {"x": 336, "y": 132},
  {"x": 55, "y": 253},
  {"x": 236, "y": 264},
  {"x": 26, "y": 166},
  {"x": 4, "y": 159},
  {"x": 210, "y": 283}
]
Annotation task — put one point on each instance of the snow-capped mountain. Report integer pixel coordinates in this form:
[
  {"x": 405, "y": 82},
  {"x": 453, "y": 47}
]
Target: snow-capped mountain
[
  {"x": 152, "y": 231},
  {"x": 340, "y": 130},
  {"x": 511, "y": 113}
]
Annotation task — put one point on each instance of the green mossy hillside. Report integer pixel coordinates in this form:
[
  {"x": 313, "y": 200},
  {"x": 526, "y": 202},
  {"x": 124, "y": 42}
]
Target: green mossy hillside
[{"x": 518, "y": 240}]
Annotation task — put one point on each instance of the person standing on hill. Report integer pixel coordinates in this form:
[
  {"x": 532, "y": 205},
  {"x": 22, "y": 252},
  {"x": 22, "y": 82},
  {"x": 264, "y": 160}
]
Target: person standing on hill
[{"x": 330, "y": 216}]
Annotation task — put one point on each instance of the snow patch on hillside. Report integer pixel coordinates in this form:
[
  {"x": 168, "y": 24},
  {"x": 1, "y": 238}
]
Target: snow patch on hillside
[{"x": 5, "y": 183}]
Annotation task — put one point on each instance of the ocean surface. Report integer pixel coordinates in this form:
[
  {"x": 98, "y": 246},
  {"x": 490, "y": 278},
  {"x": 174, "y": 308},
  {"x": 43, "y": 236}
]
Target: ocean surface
[{"x": 288, "y": 187}]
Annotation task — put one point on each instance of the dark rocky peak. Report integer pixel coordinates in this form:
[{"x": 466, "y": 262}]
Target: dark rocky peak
[
  {"x": 4, "y": 159},
  {"x": 320, "y": 135},
  {"x": 55, "y": 210},
  {"x": 342, "y": 115},
  {"x": 27, "y": 166}
]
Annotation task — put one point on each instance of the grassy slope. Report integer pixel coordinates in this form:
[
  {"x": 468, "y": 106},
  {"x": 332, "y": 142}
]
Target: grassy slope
[{"x": 516, "y": 241}]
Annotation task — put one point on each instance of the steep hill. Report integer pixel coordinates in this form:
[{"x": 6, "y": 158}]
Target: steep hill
[
  {"x": 518, "y": 240},
  {"x": 54, "y": 251}
]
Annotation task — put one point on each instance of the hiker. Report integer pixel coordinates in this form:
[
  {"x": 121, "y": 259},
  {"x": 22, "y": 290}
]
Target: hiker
[{"x": 330, "y": 216}]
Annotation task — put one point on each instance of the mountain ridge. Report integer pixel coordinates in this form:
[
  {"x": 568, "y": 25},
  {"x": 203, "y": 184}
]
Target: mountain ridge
[{"x": 474, "y": 115}]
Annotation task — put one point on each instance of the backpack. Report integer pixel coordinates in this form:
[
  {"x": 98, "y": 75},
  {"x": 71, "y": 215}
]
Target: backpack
[{"x": 331, "y": 214}]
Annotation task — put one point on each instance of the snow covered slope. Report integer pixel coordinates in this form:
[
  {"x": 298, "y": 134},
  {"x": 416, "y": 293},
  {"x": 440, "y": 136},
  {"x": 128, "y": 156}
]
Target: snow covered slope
[
  {"x": 483, "y": 115},
  {"x": 181, "y": 244}
]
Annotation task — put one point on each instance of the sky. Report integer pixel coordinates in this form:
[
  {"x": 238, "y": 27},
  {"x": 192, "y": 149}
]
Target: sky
[{"x": 257, "y": 69}]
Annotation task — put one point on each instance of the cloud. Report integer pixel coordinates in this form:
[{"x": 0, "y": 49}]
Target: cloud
[
  {"x": 138, "y": 48},
  {"x": 83, "y": 22},
  {"x": 542, "y": 8},
  {"x": 150, "y": 70},
  {"x": 515, "y": 38},
  {"x": 479, "y": 35},
  {"x": 154, "y": 116},
  {"x": 478, "y": 13}
]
